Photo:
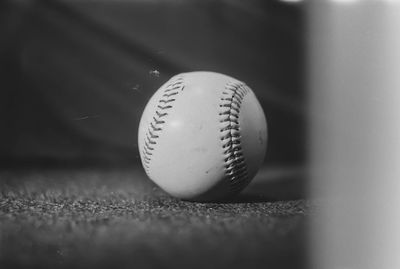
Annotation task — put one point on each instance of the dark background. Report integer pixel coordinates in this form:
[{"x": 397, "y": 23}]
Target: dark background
[
  {"x": 76, "y": 75},
  {"x": 74, "y": 79}
]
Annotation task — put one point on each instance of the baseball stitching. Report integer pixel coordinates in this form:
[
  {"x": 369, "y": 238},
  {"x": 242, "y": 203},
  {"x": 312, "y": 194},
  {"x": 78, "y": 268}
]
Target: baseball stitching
[
  {"x": 174, "y": 87},
  {"x": 235, "y": 165},
  {"x": 231, "y": 100}
]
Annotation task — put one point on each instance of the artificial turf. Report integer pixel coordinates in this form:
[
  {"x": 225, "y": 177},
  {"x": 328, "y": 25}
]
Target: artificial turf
[{"x": 91, "y": 218}]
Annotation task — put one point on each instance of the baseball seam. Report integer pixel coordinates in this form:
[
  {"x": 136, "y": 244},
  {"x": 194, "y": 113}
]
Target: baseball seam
[
  {"x": 235, "y": 165},
  {"x": 164, "y": 104}
]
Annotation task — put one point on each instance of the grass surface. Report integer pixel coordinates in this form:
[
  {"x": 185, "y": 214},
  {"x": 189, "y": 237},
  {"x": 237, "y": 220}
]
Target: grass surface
[{"x": 119, "y": 219}]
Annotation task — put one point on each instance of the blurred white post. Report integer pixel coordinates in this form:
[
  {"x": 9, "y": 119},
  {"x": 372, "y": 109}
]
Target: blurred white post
[{"x": 354, "y": 82}]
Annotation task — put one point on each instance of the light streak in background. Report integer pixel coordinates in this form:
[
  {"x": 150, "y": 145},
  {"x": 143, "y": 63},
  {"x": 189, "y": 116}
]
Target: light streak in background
[
  {"x": 292, "y": 1},
  {"x": 354, "y": 88}
]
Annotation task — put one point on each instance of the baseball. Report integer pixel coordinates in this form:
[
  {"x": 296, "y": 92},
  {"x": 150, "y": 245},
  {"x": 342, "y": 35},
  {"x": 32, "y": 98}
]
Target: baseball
[{"x": 202, "y": 136}]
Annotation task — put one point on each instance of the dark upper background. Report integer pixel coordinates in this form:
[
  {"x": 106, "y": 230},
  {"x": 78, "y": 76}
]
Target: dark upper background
[{"x": 75, "y": 75}]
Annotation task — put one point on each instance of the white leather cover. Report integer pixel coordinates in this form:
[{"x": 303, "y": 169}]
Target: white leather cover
[{"x": 202, "y": 136}]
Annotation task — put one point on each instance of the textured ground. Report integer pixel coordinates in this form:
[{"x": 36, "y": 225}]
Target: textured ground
[{"x": 102, "y": 219}]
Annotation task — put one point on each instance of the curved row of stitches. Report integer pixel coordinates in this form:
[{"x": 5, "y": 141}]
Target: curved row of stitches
[
  {"x": 165, "y": 103},
  {"x": 235, "y": 165}
]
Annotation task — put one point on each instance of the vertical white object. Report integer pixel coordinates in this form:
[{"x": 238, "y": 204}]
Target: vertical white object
[{"x": 354, "y": 61}]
